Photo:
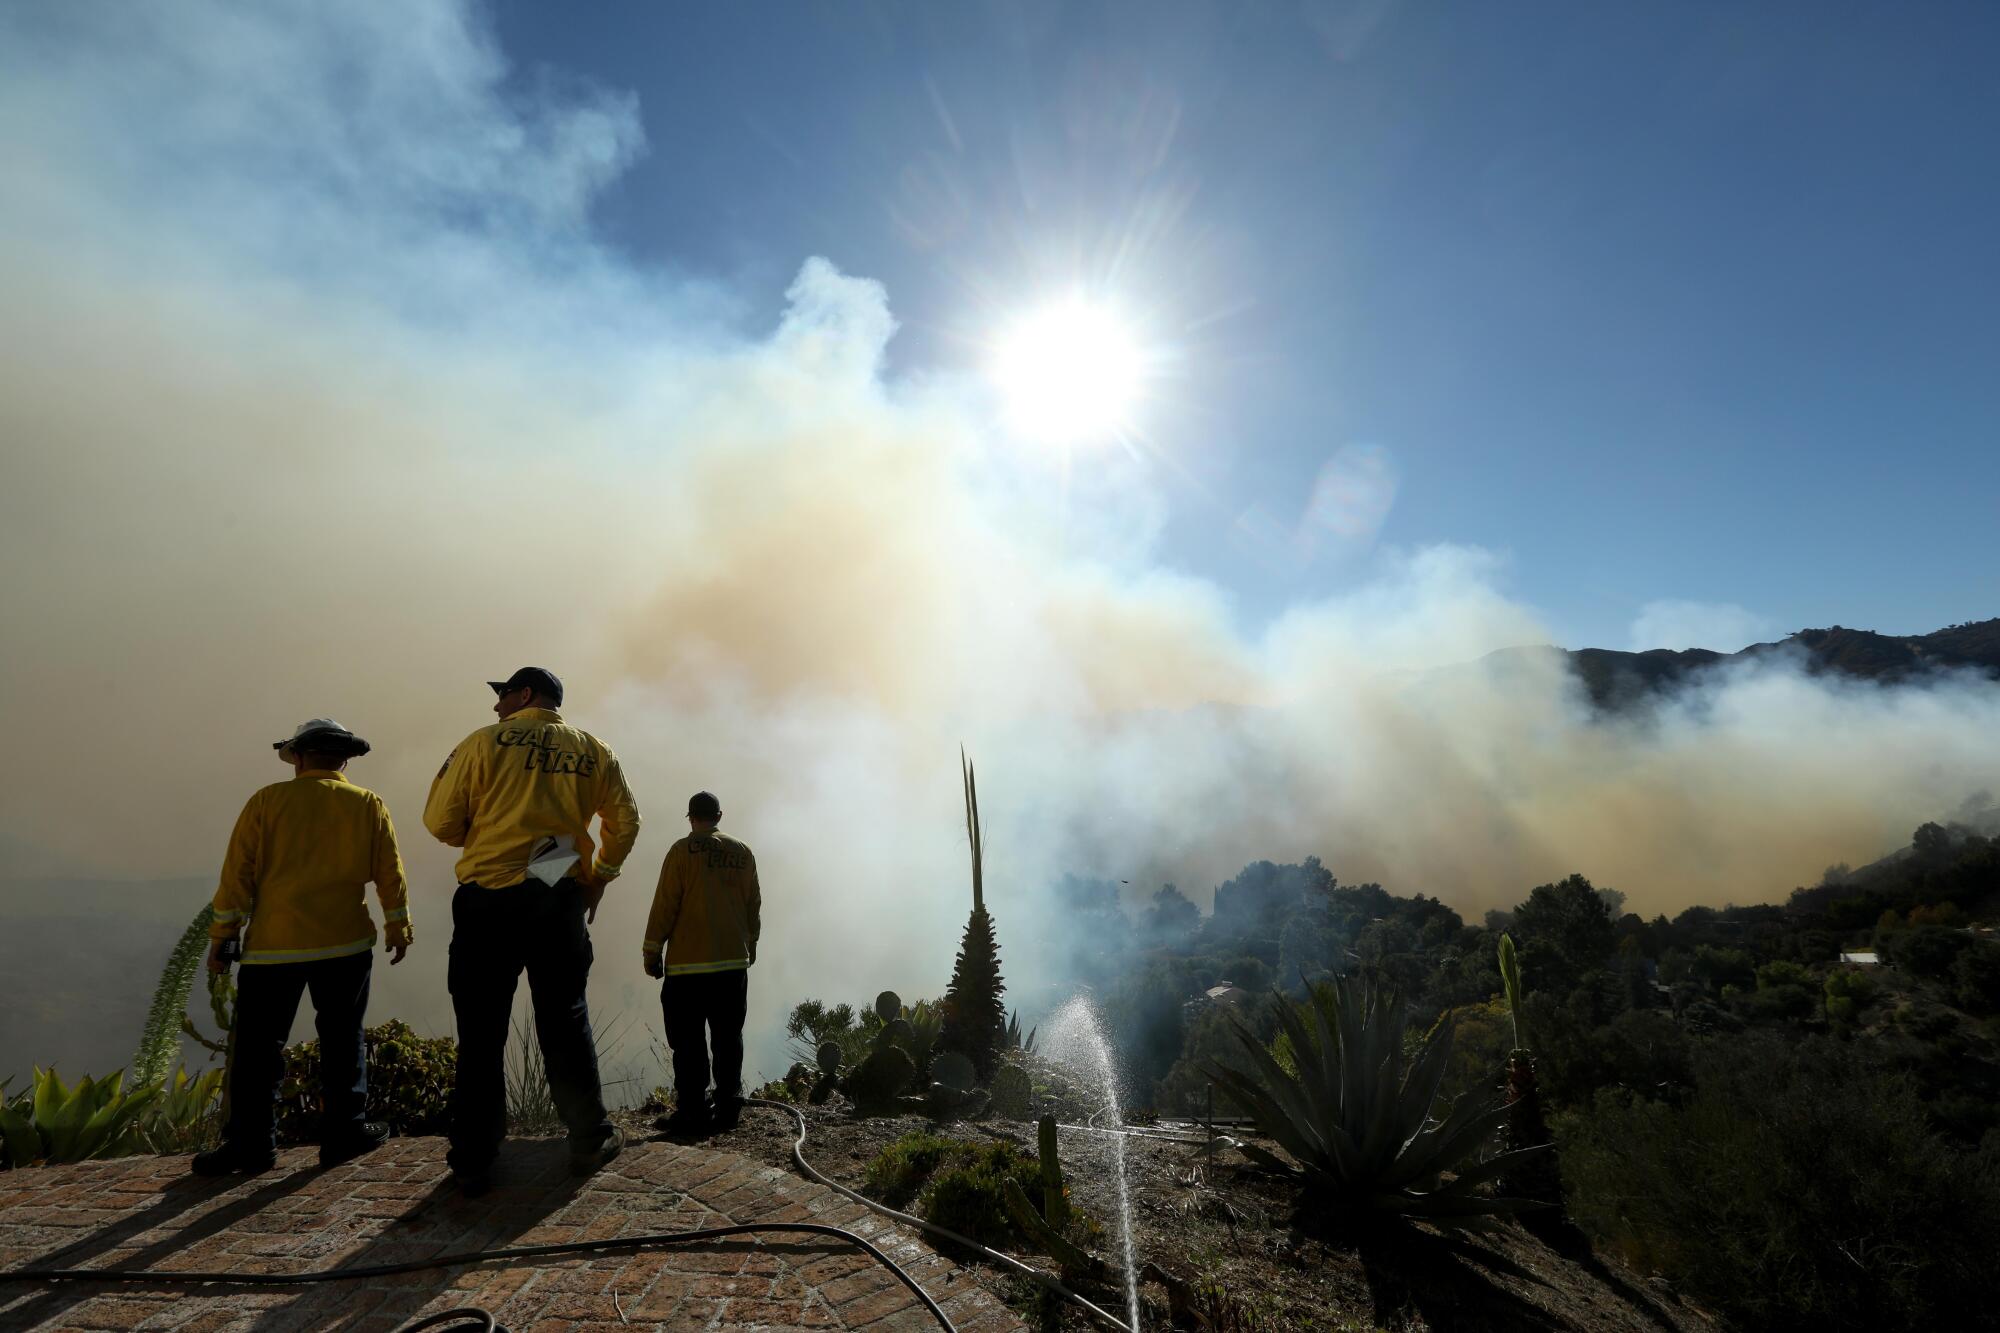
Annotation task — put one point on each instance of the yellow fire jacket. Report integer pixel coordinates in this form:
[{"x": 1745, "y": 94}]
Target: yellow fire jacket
[
  {"x": 527, "y": 778},
  {"x": 298, "y": 867},
  {"x": 707, "y": 906}
]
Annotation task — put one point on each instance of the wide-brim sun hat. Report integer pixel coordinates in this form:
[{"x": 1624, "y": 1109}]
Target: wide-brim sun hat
[{"x": 321, "y": 735}]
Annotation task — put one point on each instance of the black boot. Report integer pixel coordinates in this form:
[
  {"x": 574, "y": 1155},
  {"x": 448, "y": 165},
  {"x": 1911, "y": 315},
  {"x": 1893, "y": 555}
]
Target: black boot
[
  {"x": 365, "y": 1137},
  {"x": 231, "y": 1158}
]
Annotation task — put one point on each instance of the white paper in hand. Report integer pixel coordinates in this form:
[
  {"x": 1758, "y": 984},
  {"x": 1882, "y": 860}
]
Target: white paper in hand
[{"x": 552, "y": 859}]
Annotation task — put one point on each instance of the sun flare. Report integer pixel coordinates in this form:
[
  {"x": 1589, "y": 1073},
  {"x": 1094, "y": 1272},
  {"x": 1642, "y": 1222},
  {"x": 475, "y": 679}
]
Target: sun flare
[{"x": 1068, "y": 373}]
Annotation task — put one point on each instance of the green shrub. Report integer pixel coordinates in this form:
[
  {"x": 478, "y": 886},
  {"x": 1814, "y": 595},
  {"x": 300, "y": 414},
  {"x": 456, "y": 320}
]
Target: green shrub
[
  {"x": 957, "y": 1184},
  {"x": 1848, "y": 992},
  {"x": 901, "y": 1169},
  {"x": 409, "y": 1083},
  {"x": 1794, "y": 1188}
]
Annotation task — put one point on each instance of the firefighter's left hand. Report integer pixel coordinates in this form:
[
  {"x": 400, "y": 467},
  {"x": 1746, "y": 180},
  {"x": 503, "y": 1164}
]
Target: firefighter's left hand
[
  {"x": 654, "y": 967},
  {"x": 593, "y": 894},
  {"x": 396, "y": 952}
]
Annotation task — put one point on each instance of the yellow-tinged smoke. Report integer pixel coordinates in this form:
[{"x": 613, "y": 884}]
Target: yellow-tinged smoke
[{"x": 293, "y": 438}]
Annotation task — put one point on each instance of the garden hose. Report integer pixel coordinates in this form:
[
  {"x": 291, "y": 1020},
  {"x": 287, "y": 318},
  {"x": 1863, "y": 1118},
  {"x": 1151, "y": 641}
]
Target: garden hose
[
  {"x": 475, "y": 1317},
  {"x": 484, "y": 1319},
  {"x": 993, "y": 1256}
]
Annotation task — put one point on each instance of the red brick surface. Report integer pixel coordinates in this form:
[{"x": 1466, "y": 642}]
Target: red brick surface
[{"x": 398, "y": 1204}]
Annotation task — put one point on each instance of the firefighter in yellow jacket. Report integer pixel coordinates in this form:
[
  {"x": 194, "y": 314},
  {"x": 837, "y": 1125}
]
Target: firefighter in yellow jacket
[
  {"x": 297, "y": 869},
  {"x": 519, "y": 797},
  {"x": 706, "y": 918}
]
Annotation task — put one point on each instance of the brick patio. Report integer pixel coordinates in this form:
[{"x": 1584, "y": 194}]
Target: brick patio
[{"x": 398, "y": 1204}]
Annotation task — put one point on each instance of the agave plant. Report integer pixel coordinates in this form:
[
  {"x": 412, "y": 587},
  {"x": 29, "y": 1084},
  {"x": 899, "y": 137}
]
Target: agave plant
[
  {"x": 975, "y": 1020},
  {"x": 1357, "y": 1115},
  {"x": 1537, "y": 1177},
  {"x": 1013, "y": 1040},
  {"x": 180, "y": 1120},
  {"x": 59, "y": 1123}
]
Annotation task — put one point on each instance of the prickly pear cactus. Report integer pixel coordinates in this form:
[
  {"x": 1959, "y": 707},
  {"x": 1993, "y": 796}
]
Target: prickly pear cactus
[
  {"x": 899, "y": 1032},
  {"x": 1013, "y": 1094},
  {"x": 1055, "y": 1196},
  {"x": 829, "y": 1073},
  {"x": 888, "y": 1006},
  {"x": 954, "y": 1071},
  {"x": 879, "y": 1079}
]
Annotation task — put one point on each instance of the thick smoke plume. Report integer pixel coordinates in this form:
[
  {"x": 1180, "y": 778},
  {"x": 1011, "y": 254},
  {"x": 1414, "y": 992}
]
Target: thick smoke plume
[{"x": 321, "y": 398}]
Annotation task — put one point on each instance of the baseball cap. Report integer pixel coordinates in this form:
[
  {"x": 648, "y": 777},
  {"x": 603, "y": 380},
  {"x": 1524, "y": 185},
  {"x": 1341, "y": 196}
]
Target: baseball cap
[
  {"x": 539, "y": 679},
  {"x": 322, "y": 735},
  {"x": 703, "y": 805}
]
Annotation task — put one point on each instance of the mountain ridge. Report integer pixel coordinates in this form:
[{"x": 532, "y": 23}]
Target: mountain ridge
[{"x": 1616, "y": 680}]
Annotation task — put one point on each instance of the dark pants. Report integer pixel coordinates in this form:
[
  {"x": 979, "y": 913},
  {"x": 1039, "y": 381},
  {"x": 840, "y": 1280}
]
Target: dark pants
[
  {"x": 267, "y": 1000},
  {"x": 701, "y": 1011},
  {"x": 495, "y": 933}
]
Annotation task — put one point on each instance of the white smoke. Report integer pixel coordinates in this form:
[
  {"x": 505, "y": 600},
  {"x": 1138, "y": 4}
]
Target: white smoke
[{"x": 323, "y": 398}]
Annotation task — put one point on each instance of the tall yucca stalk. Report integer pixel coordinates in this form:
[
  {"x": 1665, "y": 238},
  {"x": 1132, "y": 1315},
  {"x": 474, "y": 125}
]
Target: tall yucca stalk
[
  {"x": 975, "y": 1020},
  {"x": 160, "y": 1043},
  {"x": 1535, "y": 1178},
  {"x": 1356, "y": 1115}
]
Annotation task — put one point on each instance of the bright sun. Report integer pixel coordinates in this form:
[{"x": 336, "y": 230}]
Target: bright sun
[{"x": 1069, "y": 373}]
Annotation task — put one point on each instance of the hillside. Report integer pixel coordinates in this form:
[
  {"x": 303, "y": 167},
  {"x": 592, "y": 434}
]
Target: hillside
[{"x": 1617, "y": 680}]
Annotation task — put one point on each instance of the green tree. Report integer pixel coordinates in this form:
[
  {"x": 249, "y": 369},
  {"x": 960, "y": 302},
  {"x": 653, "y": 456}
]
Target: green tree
[
  {"x": 1564, "y": 931},
  {"x": 1172, "y": 918}
]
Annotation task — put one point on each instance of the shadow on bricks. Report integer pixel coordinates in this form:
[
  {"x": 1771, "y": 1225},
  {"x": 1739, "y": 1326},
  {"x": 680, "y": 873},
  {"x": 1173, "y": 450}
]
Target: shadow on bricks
[
  {"x": 180, "y": 1195},
  {"x": 397, "y": 1211}
]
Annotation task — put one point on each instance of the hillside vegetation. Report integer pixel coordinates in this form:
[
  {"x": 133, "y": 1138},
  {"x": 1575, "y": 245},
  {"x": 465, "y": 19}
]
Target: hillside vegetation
[{"x": 1792, "y": 1140}]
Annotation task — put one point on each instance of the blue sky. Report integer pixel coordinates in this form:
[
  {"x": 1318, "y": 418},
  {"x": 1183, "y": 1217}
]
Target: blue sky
[{"x": 1688, "y": 302}]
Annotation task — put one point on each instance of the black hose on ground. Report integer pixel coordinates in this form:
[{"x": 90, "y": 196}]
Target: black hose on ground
[
  {"x": 485, "y": 1320},
  {"x": 991, "y": 1255}
]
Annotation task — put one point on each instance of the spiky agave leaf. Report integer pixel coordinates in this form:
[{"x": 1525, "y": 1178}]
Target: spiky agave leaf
[
  {"x": 1510, "y": 977},
  {"x": 1357, "y": 1114}
]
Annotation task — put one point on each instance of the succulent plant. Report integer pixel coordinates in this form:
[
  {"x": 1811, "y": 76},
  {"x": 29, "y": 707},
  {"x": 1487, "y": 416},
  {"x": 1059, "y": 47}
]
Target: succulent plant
[
  {"x": 823, "y": 1088},
  {"x": 880, "y": 1078},
  {"x": 1356, "y": 1114},
  {"x": 954, "y": 1072},
  {"x": 1013, "y": 1094},
  {"x": 160, "y": 1043},
  {"x": 900, "y": 1032},
  {"x": 888, "y": 1006},
  {"x": 1055, "y": 1195},
  {"x": 1536, "y": 1177},
  {"x": 975, "y": 1020}
]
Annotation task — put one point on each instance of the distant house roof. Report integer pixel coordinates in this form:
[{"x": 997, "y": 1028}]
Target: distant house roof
[
  {"x": 1860, "y": 957},
  {"x": 1226, "y": 993}
]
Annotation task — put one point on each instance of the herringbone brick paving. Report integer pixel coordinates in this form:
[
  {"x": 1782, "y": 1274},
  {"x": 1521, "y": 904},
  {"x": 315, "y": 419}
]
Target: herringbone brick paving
[{"x": 398, "y": 1203}]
